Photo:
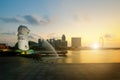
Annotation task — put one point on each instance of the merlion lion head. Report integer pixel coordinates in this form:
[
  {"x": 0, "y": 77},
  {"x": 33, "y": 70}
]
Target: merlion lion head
[{"x": 23, "y": 30}]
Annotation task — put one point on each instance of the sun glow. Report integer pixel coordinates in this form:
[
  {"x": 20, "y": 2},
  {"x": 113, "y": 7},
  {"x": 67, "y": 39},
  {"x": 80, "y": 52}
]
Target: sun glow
[{"x": 95, "y": 46}]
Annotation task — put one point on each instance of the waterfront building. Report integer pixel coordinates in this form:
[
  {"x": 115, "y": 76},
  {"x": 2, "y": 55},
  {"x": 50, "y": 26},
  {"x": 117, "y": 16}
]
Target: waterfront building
[
  {"x": 3, "y": 46},
  {"x": 76, "y": 42},
  {"x": 58, "y": 44},
  {"x": 63, "y": 38}
]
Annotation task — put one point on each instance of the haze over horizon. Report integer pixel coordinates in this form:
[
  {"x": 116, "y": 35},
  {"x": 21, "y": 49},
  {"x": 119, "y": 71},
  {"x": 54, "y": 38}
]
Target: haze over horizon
[{"x": 88, "y": 19}]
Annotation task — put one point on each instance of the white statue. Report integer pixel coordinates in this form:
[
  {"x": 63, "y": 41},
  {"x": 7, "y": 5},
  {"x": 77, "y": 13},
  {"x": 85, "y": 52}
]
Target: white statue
[{"x": 23, "y": 32}]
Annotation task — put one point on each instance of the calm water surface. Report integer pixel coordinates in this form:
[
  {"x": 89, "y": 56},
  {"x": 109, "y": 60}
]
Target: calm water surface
[{"x": 92, "y": 56}]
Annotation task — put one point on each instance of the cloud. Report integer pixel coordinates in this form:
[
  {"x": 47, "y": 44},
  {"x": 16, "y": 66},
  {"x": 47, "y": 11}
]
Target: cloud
[
  {"x": 81, "y": 17},
  {"x": 9, "y": 20},
  {"x": 31, "y": 37},
  {"x": 17, "y": 19},
  {"x": 34, "y": 19},
  {"x": 108, "y": 35},
  {"x": 8, "y": 33},
  {"x": 27, "y": 19}
]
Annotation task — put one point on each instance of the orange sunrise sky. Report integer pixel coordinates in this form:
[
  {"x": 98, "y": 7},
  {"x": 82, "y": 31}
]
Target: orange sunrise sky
[{"x": 89, "y": 19}]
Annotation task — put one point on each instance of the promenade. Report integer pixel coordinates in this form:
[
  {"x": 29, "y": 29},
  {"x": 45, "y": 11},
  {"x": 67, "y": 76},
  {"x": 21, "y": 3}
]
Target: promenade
[{"x": 20, "y": 68}]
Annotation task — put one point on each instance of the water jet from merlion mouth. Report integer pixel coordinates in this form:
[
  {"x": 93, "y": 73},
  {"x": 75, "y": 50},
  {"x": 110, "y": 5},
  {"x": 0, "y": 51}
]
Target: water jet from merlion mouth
[{"x": 48, "y": 48}]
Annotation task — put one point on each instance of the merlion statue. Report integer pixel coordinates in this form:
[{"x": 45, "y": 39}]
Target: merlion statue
[{"x": 23, "y": 32}]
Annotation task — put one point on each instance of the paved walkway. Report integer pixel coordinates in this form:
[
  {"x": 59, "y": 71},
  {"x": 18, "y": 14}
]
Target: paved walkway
[{"x": 19, "y": 68}]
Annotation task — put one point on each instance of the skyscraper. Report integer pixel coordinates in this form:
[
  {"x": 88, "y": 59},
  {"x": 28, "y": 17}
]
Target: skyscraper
[
  {"x": 63, "y": 38},
  {"x": 76, "y": 42}
]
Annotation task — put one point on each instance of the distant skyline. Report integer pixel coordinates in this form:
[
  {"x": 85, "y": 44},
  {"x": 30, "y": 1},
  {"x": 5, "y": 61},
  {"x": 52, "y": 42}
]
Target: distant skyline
[{"x": 88, "y": 19}]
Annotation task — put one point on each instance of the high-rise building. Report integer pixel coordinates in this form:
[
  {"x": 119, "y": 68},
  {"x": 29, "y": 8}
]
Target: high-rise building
[
  {"x": 76, "y": 42},
  {"x": 59, "y": 44},
  {"x": 63, "y": 38}
]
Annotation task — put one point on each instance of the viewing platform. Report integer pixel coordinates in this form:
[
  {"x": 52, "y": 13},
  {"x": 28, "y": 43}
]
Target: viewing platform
[{"x": 20, "y": 68}]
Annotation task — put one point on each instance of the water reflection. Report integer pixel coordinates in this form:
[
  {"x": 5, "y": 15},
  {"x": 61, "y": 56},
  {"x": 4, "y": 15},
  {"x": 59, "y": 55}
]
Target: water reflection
[{"x": 92, "y": 56}]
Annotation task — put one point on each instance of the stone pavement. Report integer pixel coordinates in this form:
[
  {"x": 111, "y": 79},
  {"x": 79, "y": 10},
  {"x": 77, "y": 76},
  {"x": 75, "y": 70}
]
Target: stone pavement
[{"x": 20, "y": 68}]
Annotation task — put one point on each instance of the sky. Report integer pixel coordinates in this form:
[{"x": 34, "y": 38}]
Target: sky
[{"x": 92, "y": 20}]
